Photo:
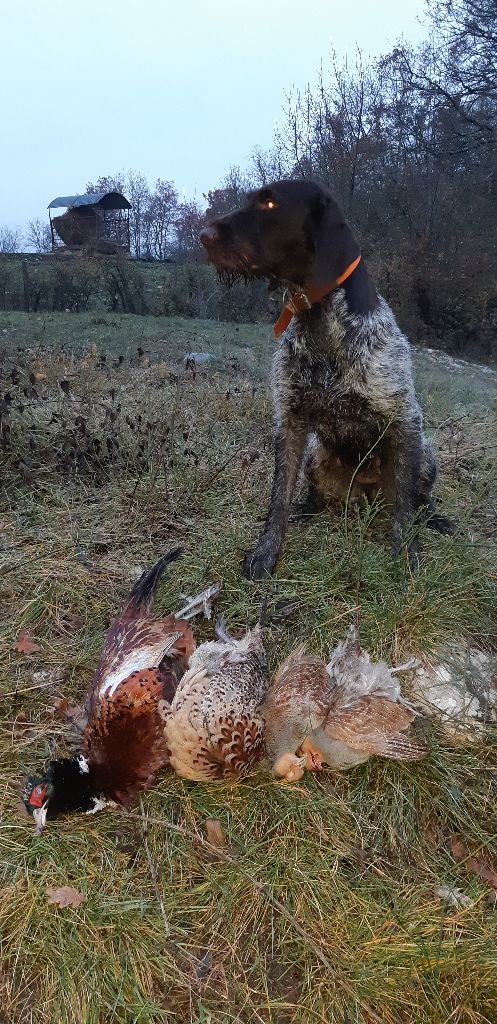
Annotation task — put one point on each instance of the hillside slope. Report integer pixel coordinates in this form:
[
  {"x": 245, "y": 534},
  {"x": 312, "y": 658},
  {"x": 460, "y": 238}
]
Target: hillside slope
[{"x": 359, "y": 897}]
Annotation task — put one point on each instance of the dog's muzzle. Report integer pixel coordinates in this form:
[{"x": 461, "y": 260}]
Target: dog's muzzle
[{"x": 209, "y": 236}]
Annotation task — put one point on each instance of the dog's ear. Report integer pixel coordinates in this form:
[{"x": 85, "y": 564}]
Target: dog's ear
[{"x": 334, "y": 245}]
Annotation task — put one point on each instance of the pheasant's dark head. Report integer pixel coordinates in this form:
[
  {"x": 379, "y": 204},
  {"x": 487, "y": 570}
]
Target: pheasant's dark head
[{"x": 66, "y": 786}]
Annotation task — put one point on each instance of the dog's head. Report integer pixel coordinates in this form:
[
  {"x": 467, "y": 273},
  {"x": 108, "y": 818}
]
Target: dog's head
[{"x": 290, "y": 232}]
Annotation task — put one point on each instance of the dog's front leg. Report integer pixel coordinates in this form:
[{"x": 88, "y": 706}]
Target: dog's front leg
[
  {"x": 289, "y": 449},
  {"x": 407, "y": 450}
]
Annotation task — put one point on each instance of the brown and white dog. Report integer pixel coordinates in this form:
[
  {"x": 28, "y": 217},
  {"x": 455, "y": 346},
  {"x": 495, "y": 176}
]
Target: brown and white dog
[{"x": 342, "y": 376}]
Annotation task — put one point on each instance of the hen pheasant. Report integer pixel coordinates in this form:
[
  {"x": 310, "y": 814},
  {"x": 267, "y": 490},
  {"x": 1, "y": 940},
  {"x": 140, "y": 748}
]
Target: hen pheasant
[
  {"x": 214, "y": 728},
  {"x": 339, "y": 714},
  {"x": 142, "y": 660}
]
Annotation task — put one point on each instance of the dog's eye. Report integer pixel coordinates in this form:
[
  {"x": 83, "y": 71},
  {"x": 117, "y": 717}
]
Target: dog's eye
[{"x": 269, "y": 204}]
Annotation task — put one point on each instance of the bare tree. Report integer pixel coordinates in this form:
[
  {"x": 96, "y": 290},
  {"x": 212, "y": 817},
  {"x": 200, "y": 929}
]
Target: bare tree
[
  {"x": 229, "y": 195},
  {"x": 108, "y": 183},
  {"x": 39, "y": 236},
  {"x": 466, "y": 36},
  {"x": 268, "y": 165},
  {"x": 189, "y": 222},
  {"x": 138, "y": 193},
  {"x": 10, "y": 239},
  {"x": 159, "y": 220}
]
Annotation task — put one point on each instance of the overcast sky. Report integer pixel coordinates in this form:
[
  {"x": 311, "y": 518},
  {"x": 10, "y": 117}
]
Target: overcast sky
[{"x": 176, "y": 90}]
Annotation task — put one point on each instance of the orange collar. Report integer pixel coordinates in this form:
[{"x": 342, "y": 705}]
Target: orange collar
[{"x": 303, "y": 299}]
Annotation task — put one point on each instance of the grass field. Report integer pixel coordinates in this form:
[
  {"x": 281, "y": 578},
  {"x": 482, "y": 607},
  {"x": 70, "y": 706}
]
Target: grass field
[{"x": 322, "y": 905}]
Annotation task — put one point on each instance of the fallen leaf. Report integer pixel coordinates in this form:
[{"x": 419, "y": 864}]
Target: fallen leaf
[
  {"x": 22, "y": 811},
  {"x": 217, "y": 982},
  {"x": 458, "y": 849},
  {"x": 75, "y": 711},
  {"x": 64, "y": 709},
  {"x": 39, "y": 376},
  {"x": 474, "y": 865},
  {"x": 25, "y": 645},
  {"x": 484, "y": 871},
  {"x": 48, "y": 677},
  {"x": 363, "y": 854},
  {"x": 215, "y": 833},
  {"x": 66, "y": 896},
  {"x": 248, "y": 458}
]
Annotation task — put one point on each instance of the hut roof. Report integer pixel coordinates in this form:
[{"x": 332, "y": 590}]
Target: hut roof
[{"x": 107, "y": 200}]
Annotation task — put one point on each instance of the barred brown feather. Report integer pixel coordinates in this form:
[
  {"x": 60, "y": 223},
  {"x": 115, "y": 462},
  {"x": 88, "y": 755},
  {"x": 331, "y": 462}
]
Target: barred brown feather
[
  {"x": 338, "y": 714},
  {"x": 215, "y": 728}
]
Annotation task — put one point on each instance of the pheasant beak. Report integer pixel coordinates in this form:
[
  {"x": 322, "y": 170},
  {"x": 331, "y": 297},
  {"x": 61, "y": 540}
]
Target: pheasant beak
[
  {"x": 312, "y": 756},
  {"x": 40, "y": 817}
]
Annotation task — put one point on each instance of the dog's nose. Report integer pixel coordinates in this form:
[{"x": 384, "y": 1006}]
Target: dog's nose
[{"x": 208, "y": 236}]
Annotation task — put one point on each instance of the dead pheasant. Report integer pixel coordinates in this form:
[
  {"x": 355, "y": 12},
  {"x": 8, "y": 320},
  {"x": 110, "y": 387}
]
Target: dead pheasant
[
  {"x": 339, "y": 714},
  {"x": 142, "y": 660},
  {"x": 214, "y": 729}
]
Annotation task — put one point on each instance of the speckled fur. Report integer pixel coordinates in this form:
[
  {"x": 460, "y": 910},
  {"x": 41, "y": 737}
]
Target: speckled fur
[
  {"x": 342, "y": 376},
  {"x": 343, "y": 381},
  {"x": 348, "y": 378}
]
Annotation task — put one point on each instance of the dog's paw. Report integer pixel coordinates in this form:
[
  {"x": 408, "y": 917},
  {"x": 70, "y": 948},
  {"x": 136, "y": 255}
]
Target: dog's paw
[
  {"x": 441, "y": 524},
  {"x": 260, "y": 561}
]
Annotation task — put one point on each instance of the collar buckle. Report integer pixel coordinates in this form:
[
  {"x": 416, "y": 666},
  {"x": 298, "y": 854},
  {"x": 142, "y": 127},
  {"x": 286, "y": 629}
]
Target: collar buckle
[{"x": 297, "y": 300}]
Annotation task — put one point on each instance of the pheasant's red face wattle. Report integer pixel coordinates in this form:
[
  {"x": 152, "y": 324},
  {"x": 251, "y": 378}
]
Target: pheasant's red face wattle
[{"x": 37, "y": 796}]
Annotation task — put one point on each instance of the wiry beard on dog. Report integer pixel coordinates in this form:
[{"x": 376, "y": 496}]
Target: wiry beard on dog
[{"x": 230, "y": 275}]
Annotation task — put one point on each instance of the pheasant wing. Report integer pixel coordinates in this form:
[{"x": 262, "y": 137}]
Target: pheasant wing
[
  {"x": 137, "y": 641},
  {"x": 369, "y": 724},
  {"x": 136, "y": 646},
  {"x": 403, "y": 748}
]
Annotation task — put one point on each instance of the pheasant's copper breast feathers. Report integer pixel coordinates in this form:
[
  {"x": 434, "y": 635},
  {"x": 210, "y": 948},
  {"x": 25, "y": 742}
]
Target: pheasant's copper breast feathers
[
  {"x": 136, "y": 679},
  {"x": 142, "y": 660},
  {"x": 125, "y": 738}
]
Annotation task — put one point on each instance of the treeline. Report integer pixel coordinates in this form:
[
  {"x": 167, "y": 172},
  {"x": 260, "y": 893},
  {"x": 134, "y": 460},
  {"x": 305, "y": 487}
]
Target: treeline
[
  {"x": 408, "y": 144},
  {"x": 75, "y": 283}
]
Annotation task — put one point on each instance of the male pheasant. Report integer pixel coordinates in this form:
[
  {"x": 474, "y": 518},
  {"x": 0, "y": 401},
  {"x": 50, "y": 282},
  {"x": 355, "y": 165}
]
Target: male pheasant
[{"x": 142, "y": 660}]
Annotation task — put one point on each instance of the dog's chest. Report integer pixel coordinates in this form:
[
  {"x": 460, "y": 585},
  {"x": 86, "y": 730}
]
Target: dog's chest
[{"x": 329, "y": 397}]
